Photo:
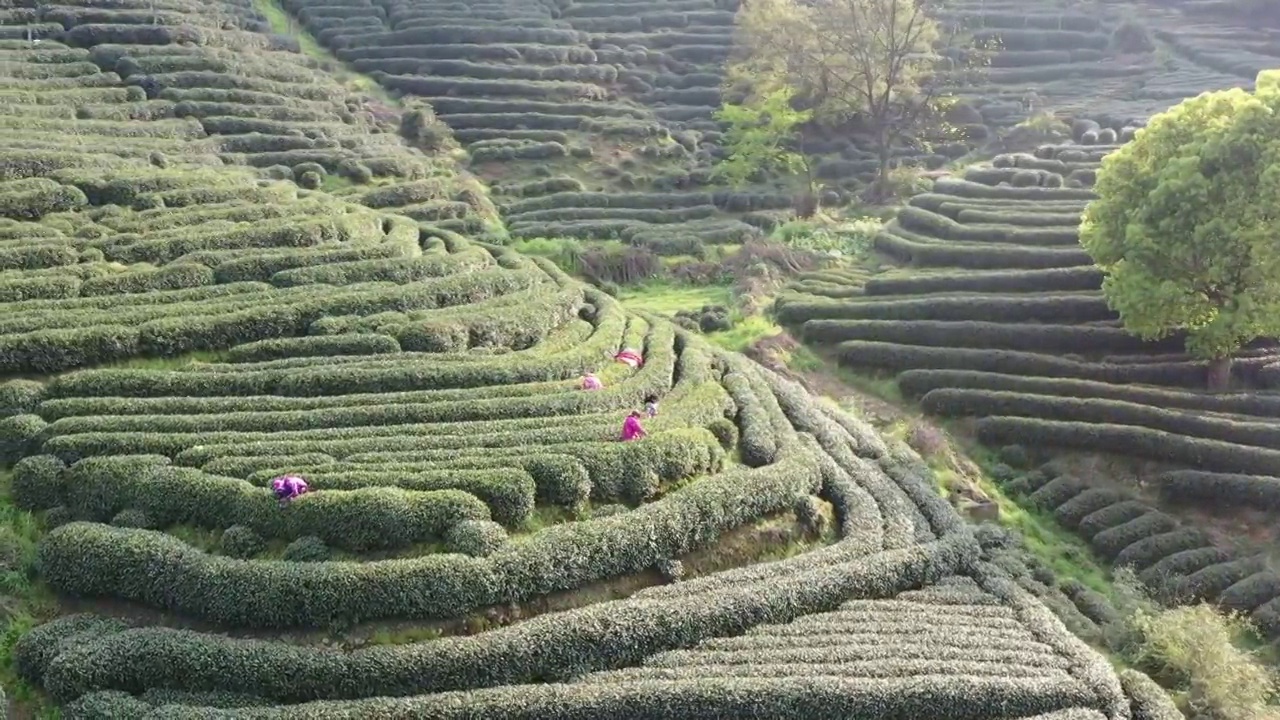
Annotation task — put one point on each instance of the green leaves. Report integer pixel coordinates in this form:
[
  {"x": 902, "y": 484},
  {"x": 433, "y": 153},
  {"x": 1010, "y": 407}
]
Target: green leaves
[
  {"x": 1184, "y": 222},
  {"x": 760, "y": 137}
]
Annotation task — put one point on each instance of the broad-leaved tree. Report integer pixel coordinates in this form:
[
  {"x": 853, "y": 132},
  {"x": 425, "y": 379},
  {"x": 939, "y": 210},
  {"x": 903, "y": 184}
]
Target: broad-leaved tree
[
  {"x": 1186, "y": 227},
  {"x": 762, "y": 137},
  {"x": 876, "y": 61}
]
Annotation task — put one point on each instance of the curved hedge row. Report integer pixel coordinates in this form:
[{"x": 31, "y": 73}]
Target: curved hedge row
[
  {"x": 916, "y": 383},
  {"x": 1073, "y": 279},
  {"x": 982, "y": 403},
  {"x": 1024, "y": 337},
  {"x": 1243, "y": 491},
  {"x": 898, "y": 358},
  {"x": 426, "y": 387},
  {"x": 1177, "y": 563},
  {"x": 1156, "y": 445},
  {"x": 96, "y": 560},
  {"x": 1064, "y": 308},
  {"x": 568, "y": 643}
]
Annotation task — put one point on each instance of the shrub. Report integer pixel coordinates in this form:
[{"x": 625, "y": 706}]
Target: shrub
[
  {"x": 308, "y": 549},
  {"x": 1132, "y": 37},
  {"x": 1002, "y": 473},
  {"x": 91, "y": 559},
  {"x": 324, "y": 345},
  {"x": 1147, "y": 700},
  {"x": 310, "y": 180},
  {"x": 20, "y": 435},
  {"x": 1015, "y": 456},
  {"x": 1251, "y": 592},
  {"x": 58, "y": 516},
  {"x": 1197, "y": 643},
  {"x": 20, "y": 397},
  {"x": 1230, "y": 490},
  {"x": 1060, "y": 309},
  {"x": 132, "y": 518},
  {"x": 1070, "y": 513},
  {"x": 38, "y": 482},
  {"x": 672, "y": 571},
  {"x": 176, "y": 276},
  {"x": 1110, "y": 542},
  {"x": 1111, "y": 516},
  {"x": 725, "y": 432},
  {"x": 916, "y": 383},
  {"x": 808, "y": 512},
  {"x": 1210, "y": 582},
  {"x": 1022, "y": 337},
  {"x": 477, "y": 538},
  {"x": 1147, "y": 552},
  {"x": 1057, "y": 492},
  {"x": 983, "y": 403},
  {"x": 1091, "y": 603},
  {"x": 241, "y": 541},
  {"x": 370, "y": 517},
  {"x": 1172, "y": 568}
]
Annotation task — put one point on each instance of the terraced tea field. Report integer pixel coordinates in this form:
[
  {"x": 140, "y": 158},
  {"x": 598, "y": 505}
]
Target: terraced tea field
[
  {"x": 996, "y": 318},
  {"x": 591, "y": 121},
  {"x": 1118, "y": 64},
  {"x": 223, "y": 261}
]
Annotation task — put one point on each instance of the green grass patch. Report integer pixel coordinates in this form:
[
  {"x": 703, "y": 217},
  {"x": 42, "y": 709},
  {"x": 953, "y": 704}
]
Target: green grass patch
[
  {"x": 404, "y": 636},
  {"x": 803, "y": 359},
  {"x": 173, "y": 363},
  {"x": 1063, "y": 552},
  {"x": 24, "y": 601},
  {"x": 668, "y": 299},
  {"x": 878, "y": 385},
  {"x": 745, "y": 333},
  {"x": 564, "y": 252},
  {"x": 336, "y": 184},
  {"x": 543, "y": 517},
  {"x": 282, "y": 23},
  {"x": 885, "y": 388}
]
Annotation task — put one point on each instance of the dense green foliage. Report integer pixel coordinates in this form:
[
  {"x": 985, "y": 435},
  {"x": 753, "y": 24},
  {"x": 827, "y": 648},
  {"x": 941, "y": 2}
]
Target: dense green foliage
[
  {"x": 1182, "y": 225},
  {"x": 175, "y": 178},
  {"x": 997, "y": 315}
]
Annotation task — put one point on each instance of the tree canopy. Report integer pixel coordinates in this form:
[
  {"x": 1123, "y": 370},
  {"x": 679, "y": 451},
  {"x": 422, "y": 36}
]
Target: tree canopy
[
  {"x": 1186, "y": 226},
  {"x": 760, "y": 138},
  {"x": 871, "y": 60}
]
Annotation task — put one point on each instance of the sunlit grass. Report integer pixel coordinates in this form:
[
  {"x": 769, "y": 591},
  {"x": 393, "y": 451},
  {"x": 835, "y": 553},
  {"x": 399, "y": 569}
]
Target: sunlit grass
[
  {"x": 668, "y": 299},
  {"x": 282, "y": 24},
  {"x": 745, "y": 333},
  {"x": 24, "y": 601},
  {"x": 172, "y": 363}
]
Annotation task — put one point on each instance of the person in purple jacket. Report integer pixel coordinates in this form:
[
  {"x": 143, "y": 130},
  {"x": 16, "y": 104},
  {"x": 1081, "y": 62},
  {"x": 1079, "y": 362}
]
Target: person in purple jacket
[
  {"x": 631, "y": 429},
  {"x": 288, "y": 487}
]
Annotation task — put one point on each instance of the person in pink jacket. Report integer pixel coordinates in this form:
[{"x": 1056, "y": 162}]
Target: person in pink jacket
[
  {"x": 631, "y": 429},
  {"x": 288, "y": 487},
  {"x": 591, "y": 382},
  {"x": 630, "y": 357}
]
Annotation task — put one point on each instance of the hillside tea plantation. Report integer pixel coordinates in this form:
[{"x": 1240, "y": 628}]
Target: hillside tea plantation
[
  {"x": 241, "y": 240},
  {"x": 589, "y": 120},
  {"x": 995, "y": 316}
]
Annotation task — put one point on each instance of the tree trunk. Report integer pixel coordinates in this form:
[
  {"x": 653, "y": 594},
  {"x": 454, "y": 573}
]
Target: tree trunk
[
  {"x": 806, "y": 204},
  {"x": 1220, "y": 373},
  {"x": 883, "y": 191}
]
